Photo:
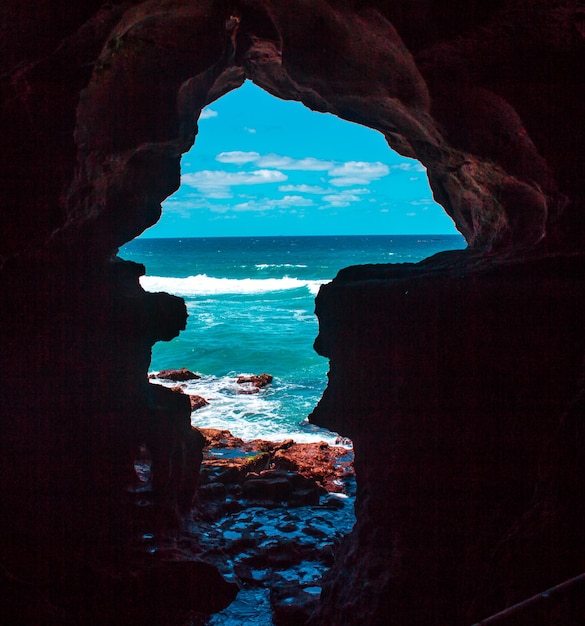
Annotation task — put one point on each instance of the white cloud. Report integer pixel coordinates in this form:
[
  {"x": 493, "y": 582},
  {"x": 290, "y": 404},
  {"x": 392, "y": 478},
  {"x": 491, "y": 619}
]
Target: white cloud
[
  {"x": 238, "y": 157},
  {"x": 269, "y": 204},
  {"x": 409, "y": 167},
  {"x": 422, "y": 202},
  {"x": 345, "y": 197},
  {"x": 193, "y": 202},
  {"x": 340, "y": 200},
  {"x": 357, "y": 173},
  {"x": 411, "y": 214},
  {"x": 304, "y": 189},
  {"x": 252, "y": 131},
  {"x": 274, "y": 161},
  {"x": 360, "y": 191},
  {"x": 342, "y": 174},
  {"x": 207, "y": 113},
  {"x": 288, "y": 163},
  {"x": 218, "y": 182},
  {"x": 218, "y": 178},
  {"x": 294, "y": 201},
  {"x": 219, "y": 194}
]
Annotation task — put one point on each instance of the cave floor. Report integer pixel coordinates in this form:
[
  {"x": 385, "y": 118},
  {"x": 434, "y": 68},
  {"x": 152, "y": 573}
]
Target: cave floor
[{"x": 274, "y": 542}]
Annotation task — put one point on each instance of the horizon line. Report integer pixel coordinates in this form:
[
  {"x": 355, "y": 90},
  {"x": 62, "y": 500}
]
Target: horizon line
[{"x": 142, "y": 237}]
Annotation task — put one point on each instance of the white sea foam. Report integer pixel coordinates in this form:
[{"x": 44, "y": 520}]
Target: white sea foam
[
  {"x": 203, "y": 285},
  {"x": 264, "y": 266},
  {"x": 248, "y": 416}
]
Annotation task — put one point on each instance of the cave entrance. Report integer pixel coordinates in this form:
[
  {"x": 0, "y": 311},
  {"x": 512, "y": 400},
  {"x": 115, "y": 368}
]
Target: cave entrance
[
  {"x": 268, "y": 210},
  {"x": 132, "y": 132},
  {"x": 275, "y": 199}
]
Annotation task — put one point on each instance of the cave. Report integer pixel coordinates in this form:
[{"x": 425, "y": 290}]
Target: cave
[{"x": 459, "y": 379}]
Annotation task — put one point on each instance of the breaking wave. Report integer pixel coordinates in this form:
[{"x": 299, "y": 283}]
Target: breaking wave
[{"x": 203, "y": 285}]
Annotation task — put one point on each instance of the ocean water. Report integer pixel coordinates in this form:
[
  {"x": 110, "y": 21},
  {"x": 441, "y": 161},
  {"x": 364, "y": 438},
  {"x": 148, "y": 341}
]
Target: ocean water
[{"x": 250, "y": 302}]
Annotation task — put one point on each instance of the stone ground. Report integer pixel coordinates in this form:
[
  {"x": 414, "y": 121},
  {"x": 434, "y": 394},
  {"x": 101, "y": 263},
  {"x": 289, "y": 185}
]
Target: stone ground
[{"x": 270, "y": 516}]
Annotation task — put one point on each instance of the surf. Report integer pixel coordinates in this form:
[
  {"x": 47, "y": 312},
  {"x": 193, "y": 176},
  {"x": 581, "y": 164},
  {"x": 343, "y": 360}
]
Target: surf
[{"x": 204, "y": 285}]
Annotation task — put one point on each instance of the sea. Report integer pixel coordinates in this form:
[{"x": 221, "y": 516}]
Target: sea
[{"x": 250, "y": 302}]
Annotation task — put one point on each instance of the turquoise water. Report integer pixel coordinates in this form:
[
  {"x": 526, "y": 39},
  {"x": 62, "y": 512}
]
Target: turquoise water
[{"x": 250, "y": 302}]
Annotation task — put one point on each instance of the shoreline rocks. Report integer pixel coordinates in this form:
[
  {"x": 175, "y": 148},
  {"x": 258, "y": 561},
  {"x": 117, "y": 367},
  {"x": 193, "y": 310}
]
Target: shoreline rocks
[
  {"x": 271, "y": 516},
  {"x": 196, "y": 401},
  {"x": 228, "y": 456},
  {"x": 253, "y": 384},
  {"x": 176, "y": 375}
]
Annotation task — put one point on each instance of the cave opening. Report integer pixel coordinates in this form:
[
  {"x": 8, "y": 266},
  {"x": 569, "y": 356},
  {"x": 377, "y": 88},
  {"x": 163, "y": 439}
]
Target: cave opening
[
  {"x": 256, "y": 227},
  {"x": 274, "y": 200}
]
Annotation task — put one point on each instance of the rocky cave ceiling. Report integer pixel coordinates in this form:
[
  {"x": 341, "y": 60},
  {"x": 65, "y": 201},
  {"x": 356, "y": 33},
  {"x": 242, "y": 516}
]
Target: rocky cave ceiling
[{"x": 462, "y": 105}]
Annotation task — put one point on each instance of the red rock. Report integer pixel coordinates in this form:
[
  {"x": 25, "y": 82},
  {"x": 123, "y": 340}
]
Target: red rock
[
  {"x": 325, "y": 464},
  {"x": 197, "y": 402},
  {"x": 303, "y": 464},
  {"x": 248, "y": 390},
  {"x": 179, "y": 375},
  {"x": 258, "y": 381},
  {"x": 215, "y": 437}
]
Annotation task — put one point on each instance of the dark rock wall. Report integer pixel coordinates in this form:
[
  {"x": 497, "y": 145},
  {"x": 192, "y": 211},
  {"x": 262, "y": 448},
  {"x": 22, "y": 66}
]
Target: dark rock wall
[
  {"x": 458, "y": 379},
  {"x": 456, "y": 386}
]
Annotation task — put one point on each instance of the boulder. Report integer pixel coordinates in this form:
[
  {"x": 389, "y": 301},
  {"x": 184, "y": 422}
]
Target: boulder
[
  {"x": 179, "y": 375},
  {"x": 258, "y": 381},
  {"x": 292, "y": 604},
  {"x": 197, "y": 402},
  {"x": 276, "y": 489}
]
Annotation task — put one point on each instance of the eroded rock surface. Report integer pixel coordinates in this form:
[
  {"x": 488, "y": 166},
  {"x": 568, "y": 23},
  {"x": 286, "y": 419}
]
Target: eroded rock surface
[
  {"x": 465, "y": 496},
  {"x": 179, "y": 375},
  {"x": 468, "y": 415}
]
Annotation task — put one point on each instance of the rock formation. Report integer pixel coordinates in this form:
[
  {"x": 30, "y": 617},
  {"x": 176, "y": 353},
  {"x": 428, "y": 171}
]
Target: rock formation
[{"x": 468, "y": 419}]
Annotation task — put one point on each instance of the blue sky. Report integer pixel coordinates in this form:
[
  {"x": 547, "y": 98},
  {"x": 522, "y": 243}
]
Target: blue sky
[{"x": 264, "y": 166}]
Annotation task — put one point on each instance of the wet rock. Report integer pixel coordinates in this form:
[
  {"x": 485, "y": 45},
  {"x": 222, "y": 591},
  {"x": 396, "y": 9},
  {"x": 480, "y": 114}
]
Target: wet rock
[
  {"x": 287, "y": 527},
  {"x": 313, "y": 469},
  {"x": 305, "y": 491},
  {"x": 280, "y": 555},
  {"x": 327, "y": 465},
  {"x": 304, "y": 497},
  {"x": 218, "y": 438},
  {"x": 177, "y": 375},
  {"x": 185, "y": 585},
  {"x": 252, "y": 576},
  {"x": 197, "y": 402},
  {"x": 331, "y": 501},
  {"x": 315, "y": 532},
  {"x": 228, "y": 476},
  {"x": 277, "y": 489},
  {"x": 293, "y": 604},
  {"x": 248, "y": 390},
  {"x": 253, "y": 383},
  {"x": 214, "y": 490}
]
